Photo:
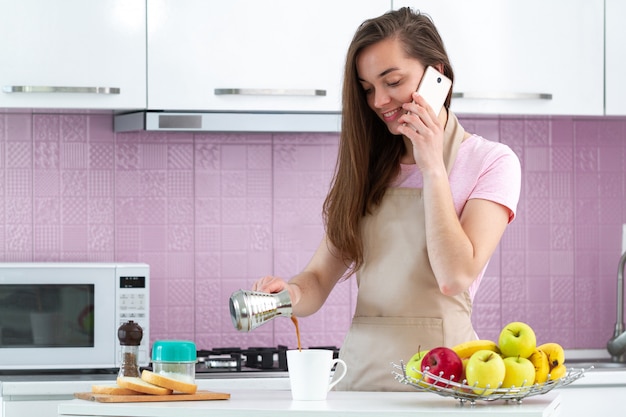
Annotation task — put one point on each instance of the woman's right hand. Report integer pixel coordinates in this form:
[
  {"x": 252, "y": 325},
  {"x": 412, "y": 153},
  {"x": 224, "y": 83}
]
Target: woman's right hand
[{"x": 273, "y": 284}]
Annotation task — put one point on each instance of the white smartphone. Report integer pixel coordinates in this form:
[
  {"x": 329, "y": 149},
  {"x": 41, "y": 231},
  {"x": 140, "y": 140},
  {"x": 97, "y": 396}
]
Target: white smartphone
[{"x": 434, "y": 87}]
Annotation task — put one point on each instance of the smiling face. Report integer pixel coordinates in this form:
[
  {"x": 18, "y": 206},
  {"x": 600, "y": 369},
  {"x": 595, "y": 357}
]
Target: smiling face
[{"x": 388, "y": 77}]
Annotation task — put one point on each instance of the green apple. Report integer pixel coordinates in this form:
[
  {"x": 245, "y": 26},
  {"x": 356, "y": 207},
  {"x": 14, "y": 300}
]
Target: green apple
[
  {"x": 485, "y": 371},
  {"x": 414, "y": 365},
  {"x": 517, "y": 339},
  {"x": 519, "y": 372}
]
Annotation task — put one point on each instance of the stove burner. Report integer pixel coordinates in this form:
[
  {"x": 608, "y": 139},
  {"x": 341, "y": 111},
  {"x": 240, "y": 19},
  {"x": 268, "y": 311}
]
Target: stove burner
[
  {"x": 267, "y": 358},
  {"x": 220, "y": 359},
  {"x": 220, "y": 362}
]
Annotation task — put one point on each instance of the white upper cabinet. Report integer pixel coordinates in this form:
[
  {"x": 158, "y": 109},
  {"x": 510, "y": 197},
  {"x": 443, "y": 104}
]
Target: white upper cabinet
[
  {"x": 251, "y": 55},
  {"x": 615, "y": 57},
  {"x": 523, "y": 57},
  {"x": 73, "y": 54}
]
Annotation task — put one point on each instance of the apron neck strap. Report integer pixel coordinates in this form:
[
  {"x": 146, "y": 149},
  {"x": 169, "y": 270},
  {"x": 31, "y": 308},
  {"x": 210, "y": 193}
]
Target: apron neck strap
[{"x": 453, "y": 136}]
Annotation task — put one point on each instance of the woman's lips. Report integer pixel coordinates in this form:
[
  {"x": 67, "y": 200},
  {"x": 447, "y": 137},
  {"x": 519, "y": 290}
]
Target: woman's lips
[{"x": 391, "y": 115}]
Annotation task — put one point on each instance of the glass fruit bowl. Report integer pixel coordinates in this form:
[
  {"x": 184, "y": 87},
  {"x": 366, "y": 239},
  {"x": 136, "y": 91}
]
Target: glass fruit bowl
[{"x": 464, "y": 393}]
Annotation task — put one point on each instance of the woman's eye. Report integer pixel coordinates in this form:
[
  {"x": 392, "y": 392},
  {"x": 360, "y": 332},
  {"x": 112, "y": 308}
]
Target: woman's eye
[{"x": 394, "y": 84}]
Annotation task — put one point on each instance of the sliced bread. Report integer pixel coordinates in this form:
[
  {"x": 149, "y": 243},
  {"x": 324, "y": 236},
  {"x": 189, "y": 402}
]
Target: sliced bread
[
  {"x": 138, "y": 384},
  {"x": 113, "y": 389},
  {"x": 167, "y": 382}
]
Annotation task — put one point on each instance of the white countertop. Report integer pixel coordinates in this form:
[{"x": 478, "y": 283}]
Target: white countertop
[
  {"x": 600, "y": 378},
  {"x": 599, "y": 392},
  {"x": 261, "y": 403},
  {"x": 50, "y": 386}
]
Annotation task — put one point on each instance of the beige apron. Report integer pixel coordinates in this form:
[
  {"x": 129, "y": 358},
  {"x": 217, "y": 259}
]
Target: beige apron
[{"x": 399, "y": 306}]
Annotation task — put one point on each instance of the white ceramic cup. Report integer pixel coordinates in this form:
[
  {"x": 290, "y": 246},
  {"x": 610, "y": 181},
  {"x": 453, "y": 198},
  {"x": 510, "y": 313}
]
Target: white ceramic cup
[{"x": 310, "y": 371}]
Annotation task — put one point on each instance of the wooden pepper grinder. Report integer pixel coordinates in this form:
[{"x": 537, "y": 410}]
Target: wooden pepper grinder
[{"x": 129, "y": 335}]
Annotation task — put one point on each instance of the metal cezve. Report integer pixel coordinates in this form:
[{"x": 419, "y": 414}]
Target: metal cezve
[{"x": 250, "y": 309}]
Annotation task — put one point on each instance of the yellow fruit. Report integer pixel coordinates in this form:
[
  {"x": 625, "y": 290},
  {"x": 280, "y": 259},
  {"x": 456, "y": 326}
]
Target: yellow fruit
[
  {"x": 415, "y": 363},
  {"x": 467, "y": 349},
  {"x": 520, "y": 372},
  {"x": 414, "y": 366},
  {"x": 517, "y": 339},
  {"x": 485, "y": 371},
  {"x": 558, "y": 372},
  {"x": 555, "y": 352},
  {"x": 542, "y": 366}
]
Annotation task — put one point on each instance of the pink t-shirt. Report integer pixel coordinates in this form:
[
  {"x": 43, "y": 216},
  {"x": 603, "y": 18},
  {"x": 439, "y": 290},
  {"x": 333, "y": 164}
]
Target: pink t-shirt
[{"x": 483, "y": 169}]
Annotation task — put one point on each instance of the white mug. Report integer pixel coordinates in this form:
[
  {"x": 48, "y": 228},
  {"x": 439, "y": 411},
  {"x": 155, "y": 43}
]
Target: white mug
[{"x": 310, "y": 371}]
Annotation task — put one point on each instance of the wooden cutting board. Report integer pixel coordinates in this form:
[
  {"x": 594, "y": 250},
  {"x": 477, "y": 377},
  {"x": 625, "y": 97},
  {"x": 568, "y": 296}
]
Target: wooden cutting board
[{"x": 107, "y": 398}]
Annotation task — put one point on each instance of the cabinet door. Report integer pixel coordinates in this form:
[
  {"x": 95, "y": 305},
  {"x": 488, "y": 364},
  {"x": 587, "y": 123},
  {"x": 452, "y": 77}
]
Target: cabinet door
[
  {"x": 522, "y": 57},
  {"x": 246, "y": 55},
  {"x": 73, "y": 54},
  {"x": 615, "y": 57}
]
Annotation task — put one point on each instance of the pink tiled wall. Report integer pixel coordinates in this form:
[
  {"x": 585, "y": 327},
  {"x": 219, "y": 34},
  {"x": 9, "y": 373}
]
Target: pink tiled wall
[{"x": 212, "y": 212}]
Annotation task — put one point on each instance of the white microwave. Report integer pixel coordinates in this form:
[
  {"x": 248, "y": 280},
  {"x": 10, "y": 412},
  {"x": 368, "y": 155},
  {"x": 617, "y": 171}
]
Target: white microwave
[{"x": 64, "y": 316}]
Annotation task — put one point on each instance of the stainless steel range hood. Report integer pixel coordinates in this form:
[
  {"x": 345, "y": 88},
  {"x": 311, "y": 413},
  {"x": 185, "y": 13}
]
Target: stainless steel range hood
[{"x": 226, "y": 122}]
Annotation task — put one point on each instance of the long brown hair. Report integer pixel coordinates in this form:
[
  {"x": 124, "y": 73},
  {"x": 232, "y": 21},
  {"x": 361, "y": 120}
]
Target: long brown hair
[{"x": 369, "y": 155}]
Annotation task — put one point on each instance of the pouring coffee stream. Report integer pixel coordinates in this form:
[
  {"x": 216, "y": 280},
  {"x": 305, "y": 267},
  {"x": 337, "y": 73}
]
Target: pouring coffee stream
[
  {"x": 251, "y": 309},
  {"x": 294, "y": 319}
]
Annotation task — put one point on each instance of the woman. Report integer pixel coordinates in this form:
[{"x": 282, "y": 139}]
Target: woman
[{"x": 416, "y": 208}]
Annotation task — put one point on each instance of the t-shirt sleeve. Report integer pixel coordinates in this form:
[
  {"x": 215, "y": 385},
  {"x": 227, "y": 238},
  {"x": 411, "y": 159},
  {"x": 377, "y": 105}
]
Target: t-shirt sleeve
[{"x": 500, "y": 180}]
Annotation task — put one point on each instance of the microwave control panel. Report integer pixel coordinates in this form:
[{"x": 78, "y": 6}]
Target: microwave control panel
[{"x": 133, "y": 303}]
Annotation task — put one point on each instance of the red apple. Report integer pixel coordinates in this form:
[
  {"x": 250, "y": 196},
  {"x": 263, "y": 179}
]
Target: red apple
[{"x": 443, "y": 362}]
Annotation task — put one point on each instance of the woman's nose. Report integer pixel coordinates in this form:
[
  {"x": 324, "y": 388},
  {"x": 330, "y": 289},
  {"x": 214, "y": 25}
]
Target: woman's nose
[{"x": 381, "y": 98}]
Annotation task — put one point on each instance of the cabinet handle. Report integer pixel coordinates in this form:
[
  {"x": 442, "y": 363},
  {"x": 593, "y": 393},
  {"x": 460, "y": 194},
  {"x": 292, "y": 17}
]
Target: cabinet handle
[
  {"x": 503, "y": 96},
  {"x": 52, "y": 89},
  {"x": 267, "y": 92}
]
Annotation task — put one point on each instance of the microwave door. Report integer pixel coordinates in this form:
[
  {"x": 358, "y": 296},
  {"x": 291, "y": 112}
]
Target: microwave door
[
  {"x": 58, "y": 324},
  {"x": 47, "y": 315}
]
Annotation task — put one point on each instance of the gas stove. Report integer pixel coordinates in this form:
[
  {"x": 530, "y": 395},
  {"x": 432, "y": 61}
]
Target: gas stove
[
  {"x": 230, "y": 362},
  {"x": 252, "y": 359}
]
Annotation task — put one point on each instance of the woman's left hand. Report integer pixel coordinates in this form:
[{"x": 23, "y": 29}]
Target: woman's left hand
[{"x": 425, "y": 131}]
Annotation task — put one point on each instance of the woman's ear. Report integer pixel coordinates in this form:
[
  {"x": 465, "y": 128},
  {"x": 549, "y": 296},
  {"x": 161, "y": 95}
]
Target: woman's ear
[{"x": 439, "y": 67}]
